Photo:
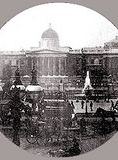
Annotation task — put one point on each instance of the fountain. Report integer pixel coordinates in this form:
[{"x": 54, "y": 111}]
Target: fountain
[
  {"x": 87, "y": 84},
  {"x": 87, "y": 90}
]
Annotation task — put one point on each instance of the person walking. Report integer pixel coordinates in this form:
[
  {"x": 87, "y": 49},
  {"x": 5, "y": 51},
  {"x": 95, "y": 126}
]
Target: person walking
[{"x": 112, "y": 105}]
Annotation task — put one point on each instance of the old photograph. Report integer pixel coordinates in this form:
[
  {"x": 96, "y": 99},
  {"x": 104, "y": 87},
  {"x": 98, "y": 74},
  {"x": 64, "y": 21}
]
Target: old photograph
[{"x": 58, "y": 80}]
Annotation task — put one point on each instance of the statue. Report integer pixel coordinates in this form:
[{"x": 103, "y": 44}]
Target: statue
[
  {"x": 34, "y": 76},
  {"x": 17, "y": 77}
]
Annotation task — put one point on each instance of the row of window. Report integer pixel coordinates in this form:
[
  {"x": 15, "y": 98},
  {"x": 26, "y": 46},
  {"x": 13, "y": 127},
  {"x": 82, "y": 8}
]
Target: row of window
[{"x": 13, "y": 62}]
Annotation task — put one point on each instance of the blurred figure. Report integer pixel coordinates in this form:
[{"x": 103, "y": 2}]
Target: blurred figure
[
  {"x": 112, "y": 105},
  {"x": 72, "y": 104},
  {"x": 77, "y": 100},
  {"x": 82, "y": 125},
  {"x": 91, "y": 106},
  {"x": 82, "y": 104}
]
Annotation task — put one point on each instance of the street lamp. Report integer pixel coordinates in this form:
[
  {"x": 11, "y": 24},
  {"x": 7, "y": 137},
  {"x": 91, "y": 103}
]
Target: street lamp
[{"x": 34, "y": 89}]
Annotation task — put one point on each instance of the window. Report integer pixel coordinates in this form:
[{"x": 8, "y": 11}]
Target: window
[
  {"x": 13, "y": 62},
  {"x": 96, "y": 61},
  {"x": 92, "y": 61}
]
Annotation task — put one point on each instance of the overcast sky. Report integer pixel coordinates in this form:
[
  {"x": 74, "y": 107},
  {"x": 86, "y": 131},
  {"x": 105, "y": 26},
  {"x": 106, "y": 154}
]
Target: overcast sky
[{"x": 76, "y": 26}]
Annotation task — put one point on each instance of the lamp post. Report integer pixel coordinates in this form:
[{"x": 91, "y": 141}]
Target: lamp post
[
  {"x": 34, "y": 90},
  {"x": 17, "y": 93},
  {"x": 16, "y": 106}
]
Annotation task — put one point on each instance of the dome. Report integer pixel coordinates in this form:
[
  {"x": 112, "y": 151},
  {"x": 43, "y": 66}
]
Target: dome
[
  {"x": 34, "y": 88},
  {"x": 50, "y": 33},
  {"x": 49, "y": 39}
]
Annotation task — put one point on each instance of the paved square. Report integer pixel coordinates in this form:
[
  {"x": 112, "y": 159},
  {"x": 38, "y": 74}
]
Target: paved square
[{"x": 101, "y": 103}]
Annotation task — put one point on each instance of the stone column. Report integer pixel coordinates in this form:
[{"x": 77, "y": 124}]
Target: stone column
[
  {"x": 42, "y": 66},
  {"x": 65, "y": 67},
  {"x": 59, "y": 66},
  {"x": 54, "y": 66},
  {"x": 51, "y": 66},
  {"x": 39, "y": 65},
  {"x": 48, "y": 66}
]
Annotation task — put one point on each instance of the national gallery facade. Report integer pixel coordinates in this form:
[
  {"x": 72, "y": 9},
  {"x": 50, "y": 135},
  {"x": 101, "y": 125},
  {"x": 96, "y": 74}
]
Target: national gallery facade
[{"x": 55, "y": 64}]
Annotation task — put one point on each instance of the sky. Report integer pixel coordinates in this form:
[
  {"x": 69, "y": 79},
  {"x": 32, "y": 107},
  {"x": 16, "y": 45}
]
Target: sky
[{"x": 77, "y": 27}]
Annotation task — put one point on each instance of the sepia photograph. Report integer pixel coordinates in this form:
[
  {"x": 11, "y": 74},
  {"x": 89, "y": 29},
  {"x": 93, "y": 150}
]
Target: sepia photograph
[{"x": 58, "y": 80}]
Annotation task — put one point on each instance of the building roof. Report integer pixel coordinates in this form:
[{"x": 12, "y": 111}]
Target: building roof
[{"x": 12, "y": 53}]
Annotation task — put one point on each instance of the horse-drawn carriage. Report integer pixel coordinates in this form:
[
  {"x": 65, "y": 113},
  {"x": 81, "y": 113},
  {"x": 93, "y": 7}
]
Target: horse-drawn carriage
[
  {"x": 54, "y": 129},
  {"x": 57, "y": 114}
]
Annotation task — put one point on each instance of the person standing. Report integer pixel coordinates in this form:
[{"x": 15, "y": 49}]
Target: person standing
[
  {"x": 91, "y": 106},
  {"x": 82, "y": 125},
  {"x": 82, "y": 104},
  {"x": 72, "y": 105},
  {"x": 112, "y": 105}
]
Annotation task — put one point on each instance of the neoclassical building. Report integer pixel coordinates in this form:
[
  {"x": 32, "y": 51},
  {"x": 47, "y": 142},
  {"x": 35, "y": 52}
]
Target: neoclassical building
[
  {"x": 50, "y": 59},
  {"x": 56, "y": 64}
]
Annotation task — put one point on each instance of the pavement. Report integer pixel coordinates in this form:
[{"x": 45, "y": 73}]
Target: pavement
[
  {"x": 101, "y": 103},
  {"x": 85, "y": 144}
]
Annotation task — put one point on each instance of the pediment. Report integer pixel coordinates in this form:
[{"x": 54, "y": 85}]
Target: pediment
[
  {"x": 45, "y": 51},
  {"x": 49, "y": 51}
]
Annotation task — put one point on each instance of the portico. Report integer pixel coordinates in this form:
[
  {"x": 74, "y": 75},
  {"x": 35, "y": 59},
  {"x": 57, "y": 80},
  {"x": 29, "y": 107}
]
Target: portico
[{"x": 51, "y": 66}]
